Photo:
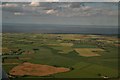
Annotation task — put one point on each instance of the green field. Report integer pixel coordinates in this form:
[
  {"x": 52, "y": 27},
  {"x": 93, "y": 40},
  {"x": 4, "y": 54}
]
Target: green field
[{"x": 63, "y": 50}]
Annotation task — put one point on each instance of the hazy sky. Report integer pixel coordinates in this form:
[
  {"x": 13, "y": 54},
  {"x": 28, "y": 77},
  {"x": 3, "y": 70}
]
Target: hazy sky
[{"x": 79, "y": 13}]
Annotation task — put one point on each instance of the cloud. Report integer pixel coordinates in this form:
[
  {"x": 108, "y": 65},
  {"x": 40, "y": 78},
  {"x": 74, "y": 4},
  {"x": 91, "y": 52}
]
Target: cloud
[
  {"x": 60, "y": 0},
  {"x": 112, "y": 13},
  {"x": 75, "y": 5},
  {"x": 81, "y": 9},
  {"x": 38, "y": 0},
  {"x": 9, "y": 5},
  {"x": 63, "y": 9},
  {"x": 34, "y": 4},
  {"x": 86, "y": 11},
  {"x": 109, "y": 12},
  {"x": 51, "y": 0},
  {"x": 18, "y": 13},
  {"x": 89, "y": 0},
  {"x": 52, "y": 11},
  {"x": 45, "y": 0},
  {"x": 85, "y": 8}
]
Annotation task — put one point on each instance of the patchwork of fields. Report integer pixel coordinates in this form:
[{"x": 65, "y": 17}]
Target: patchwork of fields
[{"x": 87, "y": 56}]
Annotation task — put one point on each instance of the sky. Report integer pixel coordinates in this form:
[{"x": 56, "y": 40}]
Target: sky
[
  {"x": 60, "y": 0},
  {"x": 64, "y": 13}
]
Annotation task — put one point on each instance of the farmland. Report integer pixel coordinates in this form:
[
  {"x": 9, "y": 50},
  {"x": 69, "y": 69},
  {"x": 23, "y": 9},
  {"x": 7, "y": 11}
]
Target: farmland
[{"x": 87, "y": 56}]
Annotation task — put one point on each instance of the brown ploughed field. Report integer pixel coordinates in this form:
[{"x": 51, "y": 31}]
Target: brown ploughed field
[{"x": 36, "y": 70}]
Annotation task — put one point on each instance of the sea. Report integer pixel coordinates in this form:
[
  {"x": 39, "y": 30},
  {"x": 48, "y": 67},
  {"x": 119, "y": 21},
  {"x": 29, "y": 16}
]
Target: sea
[{"x": 58, "y": 28}]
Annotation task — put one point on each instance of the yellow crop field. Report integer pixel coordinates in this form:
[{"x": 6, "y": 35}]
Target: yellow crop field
[
  {"x": 66, "y": 44},
  {"x": 88, "y": 52}
]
